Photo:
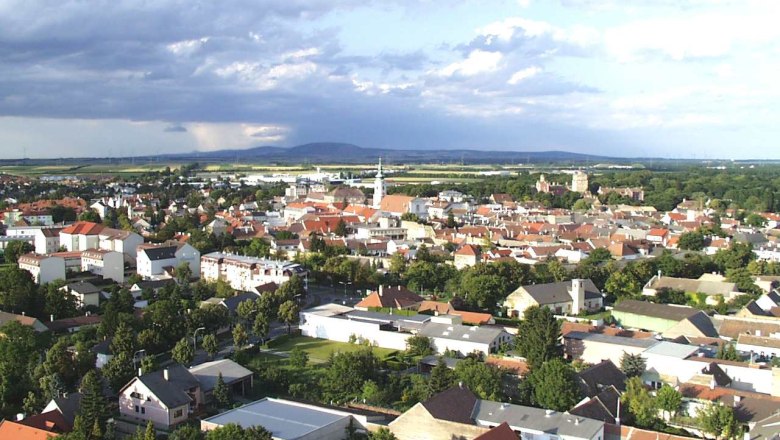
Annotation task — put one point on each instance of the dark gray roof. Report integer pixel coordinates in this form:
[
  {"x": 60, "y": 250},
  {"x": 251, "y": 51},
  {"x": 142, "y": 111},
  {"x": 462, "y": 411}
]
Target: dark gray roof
[
  {"x": 704, "y": 324},
  {"x": 455, "y": 405},
  {"x": 102, "y": 347},
  {"x": 172, "y": 392},
  {"x": 600, "y": 376},
  {"x": 233, "y": 302},
  {"x": 433, "y": 360},
  {"x": 551, "y": 293},
  {"x": 83, "y": 288},
  {"x": 663, "y": 311},
  {"x": 603, "y": 406},
  {"x": 160, "y": 252},
  {"x": 208, "y": 373},
  {"x": 154, "y": 284},
  {"x": 69, "y": 406}
]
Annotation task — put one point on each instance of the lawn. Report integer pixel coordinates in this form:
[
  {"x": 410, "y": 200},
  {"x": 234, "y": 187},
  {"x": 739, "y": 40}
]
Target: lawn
[{"x": 320, "y": 349}]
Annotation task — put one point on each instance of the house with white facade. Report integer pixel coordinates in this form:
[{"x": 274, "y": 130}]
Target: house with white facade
[
  {"x": 164, "y": 397},
  {"x": 153, "y": 259},
  {"x": 570, "y": 297},
  {"x": 46, "y": 240},
  {"x": 246, "y": 273},
  {"x": 44, "y": 268},
  {"x": 81, "y": 236},
  {"x": 446, "y": 332},
  {"x": 86, "y": 293},
  {"x": 107, "y": 264}
]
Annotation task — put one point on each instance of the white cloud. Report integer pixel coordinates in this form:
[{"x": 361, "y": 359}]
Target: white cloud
[
  {"x": 215, "y": 136},
  {"x": 506, "y": 29},
  {"x": 187, "y": 47},
  {"x": 524, "y": 74},
  {"x": 478, "y": 61}
]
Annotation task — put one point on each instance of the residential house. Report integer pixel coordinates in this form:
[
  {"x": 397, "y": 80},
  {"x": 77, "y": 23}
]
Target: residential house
[
  {"x": 716, "y": 289},
  {"x": 593, "y": 348},
  {"x": 29, "y": 321},
  {"x": 398, "y": 297},
  {"x": 457, "y": 413},
  {"x": 86, "y": 293},
  {"x": 10, "y": 430},
  {"x": 153, "y": 259},
  {"x": 570, "y": 297},
  {"x": 245, "y": 273},
  {"x": 164, "y": 397},
  {"x": 468, "y": 255},
  {"x": 108, "y": 264},
  {"x": 43, "y": 268},
  {"x": 236, "y": 377}
]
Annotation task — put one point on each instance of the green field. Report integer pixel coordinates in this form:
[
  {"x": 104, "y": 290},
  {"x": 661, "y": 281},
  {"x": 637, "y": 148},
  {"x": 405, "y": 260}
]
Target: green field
[{"x": 320, "y": 349}]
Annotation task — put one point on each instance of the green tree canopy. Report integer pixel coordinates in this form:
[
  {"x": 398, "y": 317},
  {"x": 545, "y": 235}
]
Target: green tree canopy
[{"x": 538, "y": 335}]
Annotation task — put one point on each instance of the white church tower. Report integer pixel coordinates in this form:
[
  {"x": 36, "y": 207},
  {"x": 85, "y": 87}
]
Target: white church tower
[{"x": 379, "y": 186}]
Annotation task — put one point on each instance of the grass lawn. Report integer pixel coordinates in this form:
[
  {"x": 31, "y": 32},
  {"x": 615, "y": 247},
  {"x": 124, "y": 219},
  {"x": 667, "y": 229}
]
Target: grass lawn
[{"x": 320, "y": 349}]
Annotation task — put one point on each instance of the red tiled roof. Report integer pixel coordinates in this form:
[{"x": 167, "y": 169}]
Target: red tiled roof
[
  {"x": 16, "y": 431},
  {"x": 83, "y": 228}
]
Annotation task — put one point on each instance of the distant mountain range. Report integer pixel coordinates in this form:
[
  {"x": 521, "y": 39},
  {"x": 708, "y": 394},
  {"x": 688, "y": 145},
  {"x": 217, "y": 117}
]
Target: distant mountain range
[{"x": 329, "y": 152}]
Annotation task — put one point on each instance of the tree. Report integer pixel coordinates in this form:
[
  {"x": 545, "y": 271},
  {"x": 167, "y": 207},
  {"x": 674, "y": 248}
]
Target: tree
[
  {"x": 232, "y": 431},
  {"x": 290, "y": 290},
  {"x": 18, "y": 359},
  {"x": 124, "y": 340},
  {"x": 15, "y": 249},
  {"x": 555, "y": 385},
  {"x": 346, "y": 373},
  {"x": 261, "y": 326},
  {"x": 183, "y": 272},
  {"x": 640, "y": 404},
  {"x": 119, "y": 370},
  {"x": 186, "y": 432},
  {"x": 537, "y": 336},
  {"x": 633, "y": 365},
  {"x": 728, "y": 352},
  {"x": 298, "y": 357},
  {"x": 210, "y": 345},
  {"x": 183, "y": 352},
  {"x": 382, "y": 434},
  {"x": 289, "y": 312},
  {"x": 719, "y": 421},
  {"x": 221, "y": 392},
  {"x": 441, "y": 378},
  {"x": 418, "y": 345},
  {"x": 755, "y": 220},
  {"x": 94, "y": 406},
  {"x": 341, "y": 228},
  {"x": 484, "y": 380},
  {"x": 691, "y": 241},
  {"x": 668, "y": 400},
  {"x": 622, "y": 284},
  {"x": 240, "y": 337}
]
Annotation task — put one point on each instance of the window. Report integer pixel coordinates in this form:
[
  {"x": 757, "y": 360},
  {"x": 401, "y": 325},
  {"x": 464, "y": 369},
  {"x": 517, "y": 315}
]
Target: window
[
  {"x": 136, "y": 408},
  {"x": 143, "y": 410},
  {"x": 178, "y": 413}
]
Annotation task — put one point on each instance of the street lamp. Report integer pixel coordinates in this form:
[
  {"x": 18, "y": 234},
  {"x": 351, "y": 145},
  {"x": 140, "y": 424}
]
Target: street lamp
[
  {"x": 195, "y": 338},
  {"x": 135, "y": 358},
  {"x": 345, "y": 283}
]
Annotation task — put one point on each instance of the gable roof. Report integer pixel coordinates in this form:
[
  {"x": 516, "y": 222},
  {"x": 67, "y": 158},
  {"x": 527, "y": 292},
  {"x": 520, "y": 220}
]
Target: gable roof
[
  {"x": 603, "y": 406},
  {"x": 600, "y": 376},
  {"x": 16, "y": 431},
  {"x": 455, "y": 404},
  {"x": 171, "y": 392},
  {"x": 83, "y": 228},
  {"x": 67, "y": 405},
  {"x": 551, "y": 293},
  {"x": 51, "y": 421},
  {"x": 83, "y": 288},
  {"x": 663, "y": 311},
  {"x": 389, "y": 296},
  {"x": 500, "y": 432},
  {"x": 157, "y": 253}
]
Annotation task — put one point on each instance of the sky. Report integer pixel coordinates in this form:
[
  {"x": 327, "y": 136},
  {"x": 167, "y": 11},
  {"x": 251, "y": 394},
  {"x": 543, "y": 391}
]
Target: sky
[{"x": 639, "y": 78}]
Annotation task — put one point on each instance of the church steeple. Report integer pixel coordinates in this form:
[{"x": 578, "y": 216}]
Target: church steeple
[{"x": 379, "y": 185}]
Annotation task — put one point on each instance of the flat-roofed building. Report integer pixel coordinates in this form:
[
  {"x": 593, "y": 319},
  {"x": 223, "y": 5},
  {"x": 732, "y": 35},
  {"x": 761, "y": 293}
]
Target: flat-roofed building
[{"x": 288, "y": 420}]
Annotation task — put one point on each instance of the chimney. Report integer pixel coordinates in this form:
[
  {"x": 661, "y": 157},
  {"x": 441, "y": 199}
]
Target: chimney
[
  {"x": 166, "y": 375},
  {"x": 380, "y": 290},
  {"x": 51, "y": 317},
  {"x": 577, "y": 296},
  {"x": 659, "y": 274},
  {"x": 140, "y": 371}
]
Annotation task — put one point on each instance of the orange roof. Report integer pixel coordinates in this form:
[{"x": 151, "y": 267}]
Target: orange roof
[
  {"x": 467, "y": 250},
  {"x": 395, "y": 297},
  {"x": 436, "y": 306},
  {"x": 83, "y": 228},
  {"x": 474, "y": 317},
  {"x": 16, "y": 431},
  {"x": 395, "y": 203},
  {"x": 517, "y": 366},
  {"x": 658, "y": 232},
  {"x": 500, "y": 432}
]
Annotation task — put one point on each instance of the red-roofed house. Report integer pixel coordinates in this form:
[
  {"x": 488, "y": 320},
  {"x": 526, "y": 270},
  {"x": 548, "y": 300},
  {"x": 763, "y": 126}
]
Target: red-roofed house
[
  {"x": 468, "y": 255},
  {"x": 16, "y": 431},
  {"x": 397, "y": 297}
]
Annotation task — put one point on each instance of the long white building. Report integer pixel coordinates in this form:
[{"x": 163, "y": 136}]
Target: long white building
[{"x": 246, "y": 273}]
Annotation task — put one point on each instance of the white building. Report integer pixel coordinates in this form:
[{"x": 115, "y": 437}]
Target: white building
[
  {"x": 152, "y": 259},
  {"x": 343, "y": 324},
  {"x": 81, "y": 236},
  {"x": 46, "y": 240},
  {"x": 379, "y": 186},
  {"x": 246, "y": 273},
  {"x": 579, "y": 181},
  {"x": 44, "y": 268},
  {"x": 108, "y": 264}
]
